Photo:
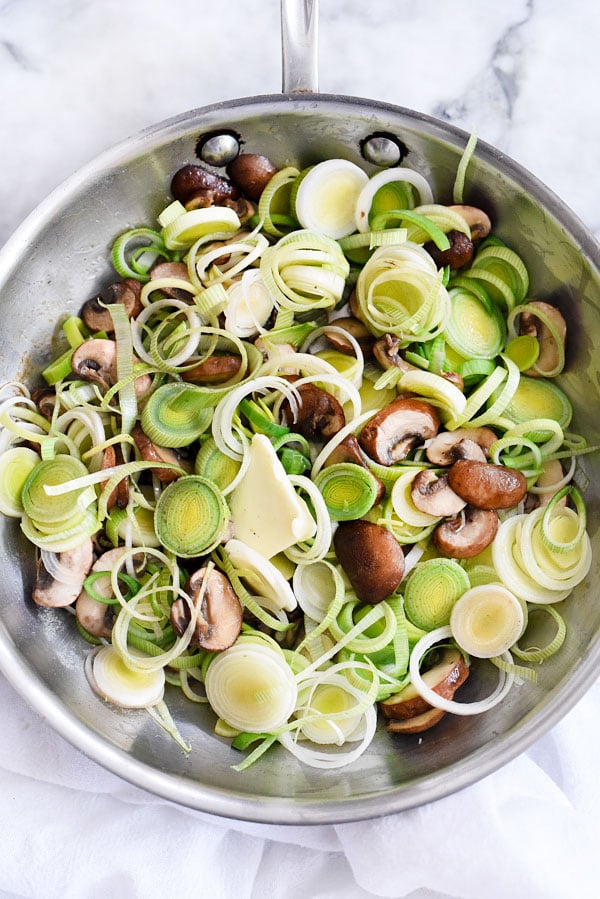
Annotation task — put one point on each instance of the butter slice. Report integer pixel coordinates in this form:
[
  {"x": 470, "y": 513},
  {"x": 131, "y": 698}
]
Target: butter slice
[{"x": 268, "y": 515}]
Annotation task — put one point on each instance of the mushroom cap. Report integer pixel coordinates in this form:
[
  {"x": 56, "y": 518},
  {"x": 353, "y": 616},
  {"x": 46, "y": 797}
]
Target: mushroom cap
[
  {"x": 96, "y": 360},
  {"x": 549, "y": 356},
  {"x": 371, "y": 557},
  {"x": 467, "y": 535},
  {"x": 417, "y": 724},
  {"x": 433, "y": 494},
  {"x": 219, "y": 618},
  {"x": 319, "y": 414},
  {"x": 191, "y": 180},
  {"x": 213, "y": 370},
  {"x": 477, "y": 220},
  {"x": 449, "y": 446},
  {"x": 251, "y": 173},
  {"x": 357, "y": 329},
  {"x": 98, "y": 318},
  {"x": 458, "y": 254},
  {"x": 487, "y": 486},
  {"x": 387, "y": 352},
  {"x": 396, "y": 429},
  {"x": 74, "y": 564}
]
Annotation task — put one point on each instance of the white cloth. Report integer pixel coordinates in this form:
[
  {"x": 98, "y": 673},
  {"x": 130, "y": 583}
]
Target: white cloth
[{"x": 71, "y": 830}]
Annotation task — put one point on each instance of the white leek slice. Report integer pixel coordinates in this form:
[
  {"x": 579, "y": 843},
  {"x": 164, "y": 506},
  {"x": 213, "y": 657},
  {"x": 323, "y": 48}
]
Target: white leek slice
[
  {"x": 184, "y": 230},
  {"x": 365, "y": 199},
  {"x": 487, "y": 620},
  {"x": 327, "y": 196},
  {"x": 116, "y": 682},
  {"x": 268, "y": 515},
  {"x": 316, "y": 586},
  {"x": 251, "y": 687},
  {"x": 16, "y": 464},
  {"x": 261, "y": 575},
  {"x": 249, "y": 305},
  {"x": 505, "y": 679}
]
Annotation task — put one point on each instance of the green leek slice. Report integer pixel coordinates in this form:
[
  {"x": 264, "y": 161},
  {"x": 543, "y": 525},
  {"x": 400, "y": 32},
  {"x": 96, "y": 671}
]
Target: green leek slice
[
  {"x": 349, "y": 490},
  {"x": 191, "y": 516},
  {"x": 175, "y": 415},
  {"x": 431, "y": 591},
  {"x": 474, "y": 330},
  {"x": 538, "y": 398}
]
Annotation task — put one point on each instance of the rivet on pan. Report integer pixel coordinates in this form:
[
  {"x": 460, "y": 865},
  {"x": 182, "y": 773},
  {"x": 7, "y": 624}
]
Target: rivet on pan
[
  {"x": 384, "y": 150},
  {"x": 218, "y": 148}
]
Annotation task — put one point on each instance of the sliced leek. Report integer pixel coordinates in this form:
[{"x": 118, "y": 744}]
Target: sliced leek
[
  {"x": 191, "y": 516},
  {"x": 327, "y": 195},
  {"x": 487, "y": 620}
]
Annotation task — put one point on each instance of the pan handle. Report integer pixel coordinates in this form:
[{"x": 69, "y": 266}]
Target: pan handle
[{"x": 299, "y": 46}]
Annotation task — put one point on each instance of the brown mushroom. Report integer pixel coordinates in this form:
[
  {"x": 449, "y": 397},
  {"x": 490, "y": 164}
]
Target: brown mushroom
[
  {"x": 398, "y": 428},
  {"x": 74, "y": 566},
  {"x": 94, "y": 616},
  {"x": 449, "y": 446},
  {"x": 177, "y": 270},
  {"x": 219, "y": 618},
  {"x": 251, "y": 173},
  {"x": 417, "y": 724},
  {"x": 433, "y": 494},
  {"x": 96, "y": 360},
  {"x": 467, "y": 535},
  {"x": 458, "y": 254},
  {"x": 444, "y": 678},
  {"x": 97, "y": 317},
  {"x": 213, "y": 370},
  {"x": 487, "y": 486},
  {"x": 550, "y": 352},
  {"x": 387, "y": 352},
  {"x": 194, "y": 180},
  {"x": 120, "y": 495},
  {"x": 371, "y": 557},
  {"x": 552, "y": 474},
  {"x": 151, "y": 452},
  {"x": 45, "y": 400},
  {"x": 477, "y": 220},
  {"x": 243, "y": 209},
  {"x": 357, "y": 329},
  {"x": 319, "y": 414},
  {"x": 349, "y": 451}
]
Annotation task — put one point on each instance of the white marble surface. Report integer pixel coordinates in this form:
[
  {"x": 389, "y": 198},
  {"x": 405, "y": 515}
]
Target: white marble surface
[{"x": 76, "y": 76}]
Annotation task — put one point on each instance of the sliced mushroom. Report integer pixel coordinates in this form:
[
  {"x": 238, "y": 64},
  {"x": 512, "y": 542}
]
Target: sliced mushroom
[
  {"x": 94, "y": 616},
  {"x": 357, "y": 329},
  {"x": 398, "y": 428},
  {"x": 319, "y": 414},
  {"x": 449, "y": 446},
  {"x": 120, "y": 496},
  {"x": 477, "y": 220},
  {"x": 433, "y": 494},
  {"x": 219, "y": 618},
  {"x": 444, "y": 678},
  {"x": 550, "y": 352},
  {"x": 467, "y": 535},
  {"x": 96, "y": 360},
  {"x": 243, "y": 209},
  {"x": 45, "y": 400},
  {"x": 177, "y": 270},
  {"x": 371, "y": 557},
  {"x": 97, "y": 317},
  {"x": 387, "y": 352},
  {"x": 349, "y": 451},
  {"x": 194, "y": 180},
  {"x": 459, "y": 253},
  {"x": 151, "y": 452},
  {"x": 552, "y": 474},
  {"x": 213, "y": 370},
  {"x": 251, "y": 173},
  {"x": 61, "y": 586},
  {"x": 417, "y": 724},
  {"x": 487, "y": 486}
]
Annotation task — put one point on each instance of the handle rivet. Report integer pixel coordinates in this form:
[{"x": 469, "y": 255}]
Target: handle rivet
[
  {"x": 218, "y": 148},
  {"x": 383, "y": 150}
]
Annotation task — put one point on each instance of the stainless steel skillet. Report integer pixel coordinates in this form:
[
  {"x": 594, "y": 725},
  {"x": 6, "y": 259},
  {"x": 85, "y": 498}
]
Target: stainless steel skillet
[{"x": 58, "y": 258}]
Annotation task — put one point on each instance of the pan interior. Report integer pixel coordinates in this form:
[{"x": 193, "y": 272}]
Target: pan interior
[{"x": 59, "y": 258}]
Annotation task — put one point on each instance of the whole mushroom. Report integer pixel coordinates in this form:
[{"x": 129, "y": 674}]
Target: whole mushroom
[
  {"x": 371, "y": 557},
  {"x": 319, "y": 414},
  {"x": 487, "y": 486},
  {"x": 463, "y": 443},
  {"x": 432, "y": 494}
]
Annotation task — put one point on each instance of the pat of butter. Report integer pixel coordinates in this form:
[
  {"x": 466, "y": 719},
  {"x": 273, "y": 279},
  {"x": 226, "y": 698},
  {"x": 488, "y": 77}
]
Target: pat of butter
[{"x": 267, "y": 513}]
